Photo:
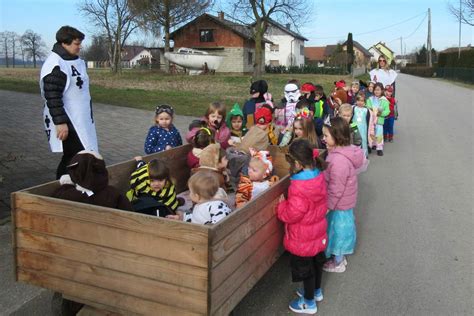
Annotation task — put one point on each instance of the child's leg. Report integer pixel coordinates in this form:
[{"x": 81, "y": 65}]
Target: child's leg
[
  {"x": 309, "y": 286},
  {"x": 379, "y": 136},
  {"x": 391, "y": 123},
  {"x": 319, "y": 261}
]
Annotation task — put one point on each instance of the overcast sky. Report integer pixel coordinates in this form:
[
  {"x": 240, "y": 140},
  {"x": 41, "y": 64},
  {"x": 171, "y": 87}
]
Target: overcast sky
[{"x": 329, "y": 23}]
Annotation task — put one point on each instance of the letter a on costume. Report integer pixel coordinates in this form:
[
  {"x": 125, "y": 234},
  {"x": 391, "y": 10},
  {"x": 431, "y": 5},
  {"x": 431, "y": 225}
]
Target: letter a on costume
[{"x": 74, "y": 71}]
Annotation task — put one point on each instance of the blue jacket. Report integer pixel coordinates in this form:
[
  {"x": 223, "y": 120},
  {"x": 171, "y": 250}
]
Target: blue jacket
[{"x": 158, "y": 138}]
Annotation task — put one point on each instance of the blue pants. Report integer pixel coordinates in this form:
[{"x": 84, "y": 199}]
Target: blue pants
[{"x": 388, "y": 126}]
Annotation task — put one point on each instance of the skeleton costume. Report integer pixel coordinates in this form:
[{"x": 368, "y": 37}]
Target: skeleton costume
[{"x": 64, "y": 87}]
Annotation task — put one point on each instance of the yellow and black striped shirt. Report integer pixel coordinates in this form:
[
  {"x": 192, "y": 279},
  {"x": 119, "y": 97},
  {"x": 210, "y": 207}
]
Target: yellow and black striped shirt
[{"x": 140, "y": 185}]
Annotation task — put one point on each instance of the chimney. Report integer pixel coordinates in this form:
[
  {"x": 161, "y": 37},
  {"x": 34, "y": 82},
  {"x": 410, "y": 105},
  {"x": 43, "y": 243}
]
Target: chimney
[
  {"x": 288, "y": 26},
  {"x": 220, "y": 15}
]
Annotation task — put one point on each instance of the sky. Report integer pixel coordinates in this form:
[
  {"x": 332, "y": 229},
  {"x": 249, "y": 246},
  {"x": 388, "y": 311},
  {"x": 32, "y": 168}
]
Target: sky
[{"x": 329, "y": 22}]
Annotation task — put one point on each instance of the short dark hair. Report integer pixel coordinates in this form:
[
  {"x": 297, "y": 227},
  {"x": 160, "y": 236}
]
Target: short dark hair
[
  {"x": 302, "y": 151},
  {"x": 67, "y": 34},
  {"x": 340, "y": 131},
  {"x": 157, "y": 170}
]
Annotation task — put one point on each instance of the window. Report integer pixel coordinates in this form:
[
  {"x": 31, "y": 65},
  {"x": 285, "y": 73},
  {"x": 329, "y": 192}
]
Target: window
[
  {"x": 274, "y": 48},
  {"x": 274, "y": 62},
  {"x": 250, "y": 58},
  {"x": 206, "y": 36},
  {"x": 301, "y": 49}
]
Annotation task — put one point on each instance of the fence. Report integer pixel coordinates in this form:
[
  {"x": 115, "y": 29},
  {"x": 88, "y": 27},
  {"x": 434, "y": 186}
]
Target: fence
[
  {"x": 462, "y": 74},
  {"x": 306, "y": 69}
]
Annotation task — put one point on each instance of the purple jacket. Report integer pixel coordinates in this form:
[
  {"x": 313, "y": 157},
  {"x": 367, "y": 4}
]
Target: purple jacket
[{"x": 341, "y": 176}]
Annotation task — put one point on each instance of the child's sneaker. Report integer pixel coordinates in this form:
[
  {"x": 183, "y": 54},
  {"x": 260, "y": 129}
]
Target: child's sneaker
[
  {"x": 303, "y": 306},
  {"x": 318, "y": 294},
  {"x": 344, "y": 261},
  {"x": 331, "y": 266},
  {"x": 379, "y": 152}
]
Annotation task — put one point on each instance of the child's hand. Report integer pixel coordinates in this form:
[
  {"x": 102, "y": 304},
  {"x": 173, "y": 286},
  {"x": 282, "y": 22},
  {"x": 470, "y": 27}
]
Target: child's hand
[
  {"x": 176, "y": 217},
  {"x": 138, "y": 158},
  {"x": 168, "y": 147},
  {"x": 282, "y": 198},
  {"x": 230, "y": 142}
]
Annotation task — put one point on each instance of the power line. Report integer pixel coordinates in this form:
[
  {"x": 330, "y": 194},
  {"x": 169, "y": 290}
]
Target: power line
[
  {"x": 373, "y": 31},
  {"x": 412, "y": 33}
]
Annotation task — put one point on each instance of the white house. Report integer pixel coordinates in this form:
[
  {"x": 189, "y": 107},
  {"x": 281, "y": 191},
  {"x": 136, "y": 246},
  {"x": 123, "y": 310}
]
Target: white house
[{"x": 287, "y": 48}]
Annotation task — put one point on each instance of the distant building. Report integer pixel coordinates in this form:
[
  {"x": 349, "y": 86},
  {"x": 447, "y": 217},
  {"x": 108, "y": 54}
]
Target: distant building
[
  {"x": 315, "y": 55},
  {"x": 286, "y": 47},
  {"x": 361, "y": 55},
  {"x": 403, "y": 60},
  {"x": 220, "y": 37},
  {"x": 382, "y": 49},
  {"x": 136, "y": 56}
]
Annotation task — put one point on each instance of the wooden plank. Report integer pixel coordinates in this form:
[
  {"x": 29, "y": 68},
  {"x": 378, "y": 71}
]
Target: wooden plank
[
  {"x": 246, "y": 230},
  {"x": 90, "y": 293},
  {"x": 118, "y": 260},
  {"x": 95, "y": 309},
  {"x": 14, "y": 241},
  {"x": 101, "y": 235},
  {"x": 45, "y": 189},
  {"x": 160, "y": 227},
  {"x": 88, "y": 310},
  {"x": 175, "y": 159},
  {"x": 152, "y": 290},
  {"x": 237, "y": 218},
  {"x": 232, "y": 262},
  {"x": 236, "y": 286}
]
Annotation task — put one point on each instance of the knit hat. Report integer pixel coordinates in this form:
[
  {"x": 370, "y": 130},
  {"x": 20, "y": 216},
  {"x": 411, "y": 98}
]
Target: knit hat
[
  {"x": 235, "y": 111},
  {"x": 340, "y": 84},
  {"x": 307, "y": 88},
  {"x": 209, "y": 157},
  {"x": 259, "y": 86},
  {"x": 87, "y": 169},
  {"x": 263, "y": 115}
]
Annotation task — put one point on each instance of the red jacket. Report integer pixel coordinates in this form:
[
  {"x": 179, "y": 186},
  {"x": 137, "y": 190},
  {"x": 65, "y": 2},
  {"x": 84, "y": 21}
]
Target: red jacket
[
  {"x": 392, "y": 102},
  {"x": 304, "y": 214}
]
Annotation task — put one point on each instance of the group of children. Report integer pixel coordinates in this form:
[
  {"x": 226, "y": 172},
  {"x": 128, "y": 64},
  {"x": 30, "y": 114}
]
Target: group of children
[{"x": 230, "y": 165}]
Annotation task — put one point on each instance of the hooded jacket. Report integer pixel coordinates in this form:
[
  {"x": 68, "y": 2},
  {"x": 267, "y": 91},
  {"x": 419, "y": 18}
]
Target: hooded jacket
[
  {"x": 88, "y": 182},
  {"x": 341, "y": 176},
  {"x": 304, "y": 214}
]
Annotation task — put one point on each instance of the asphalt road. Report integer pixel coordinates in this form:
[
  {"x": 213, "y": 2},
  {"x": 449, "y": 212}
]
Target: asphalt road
[
  {"x": 414, "y": 215},
  {"x": 414, "y": 220}
]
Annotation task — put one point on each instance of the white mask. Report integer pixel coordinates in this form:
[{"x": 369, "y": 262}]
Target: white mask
[{"x": 292, "y": 93}]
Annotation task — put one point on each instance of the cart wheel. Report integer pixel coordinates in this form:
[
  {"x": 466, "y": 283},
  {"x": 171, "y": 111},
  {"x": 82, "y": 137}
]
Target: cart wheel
[{"x": 63, "y": 307}]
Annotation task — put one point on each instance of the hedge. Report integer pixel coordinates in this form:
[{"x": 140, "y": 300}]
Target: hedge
[
  {"x": 451, "y": 60},
  {"x": 306, "y": 69}
]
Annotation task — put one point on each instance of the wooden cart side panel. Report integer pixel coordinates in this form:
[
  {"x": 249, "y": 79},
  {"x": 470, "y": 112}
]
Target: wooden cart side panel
[
  {"x": 159, "y": 227},
  {"x": 244, "y": 214},
  {"x": 175, "y": 160},
  {"x": 127, "y": 284},
  {"x": 117, "y": 260},
  {"x": 14, "y": 239},
  {"x": 91, "y": 293},
  {"x": 237, "y": 285},
  {"x": 115, "y": 238}
]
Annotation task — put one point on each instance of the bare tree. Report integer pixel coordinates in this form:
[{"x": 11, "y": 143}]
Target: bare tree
[
  {"x": 5, "y": 47},
  {"x": 464, "y": 12},
  {"x": 167, "y": 14},
  {"x": 116, "y": 21},
  {"x": 34, "y": 46},
  {"x": 259, "y": 12}
]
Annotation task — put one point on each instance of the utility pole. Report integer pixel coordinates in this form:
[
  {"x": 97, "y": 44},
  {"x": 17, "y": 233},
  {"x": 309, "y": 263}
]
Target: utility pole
[
  {"x": 459, "y": 45},
  {"x": 428, "y": 44},
  {"x": 401, "y": 46}
]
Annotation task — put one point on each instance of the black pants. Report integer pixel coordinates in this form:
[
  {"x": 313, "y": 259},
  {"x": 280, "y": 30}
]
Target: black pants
[
  {"x": 71, "y": 146},
  {"x": 309, "y": 270}
]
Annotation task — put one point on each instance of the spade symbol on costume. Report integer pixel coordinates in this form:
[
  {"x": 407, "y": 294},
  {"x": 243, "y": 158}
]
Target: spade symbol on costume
[
  {"x": 79, "y": 82},
  {"x": 47, "y": 121}
]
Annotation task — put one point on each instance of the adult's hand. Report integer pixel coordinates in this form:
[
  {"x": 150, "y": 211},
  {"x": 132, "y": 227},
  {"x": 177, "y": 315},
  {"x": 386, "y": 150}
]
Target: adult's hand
[{"x": 62, "y": 131}]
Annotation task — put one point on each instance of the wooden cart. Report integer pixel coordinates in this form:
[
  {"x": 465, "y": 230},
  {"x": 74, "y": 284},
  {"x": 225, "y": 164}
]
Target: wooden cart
[{"x": 131, "y": 263}]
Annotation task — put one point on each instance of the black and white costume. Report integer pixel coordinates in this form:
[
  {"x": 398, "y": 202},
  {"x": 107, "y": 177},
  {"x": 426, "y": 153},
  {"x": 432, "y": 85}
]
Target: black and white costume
[{"x": 64, "y": 86}]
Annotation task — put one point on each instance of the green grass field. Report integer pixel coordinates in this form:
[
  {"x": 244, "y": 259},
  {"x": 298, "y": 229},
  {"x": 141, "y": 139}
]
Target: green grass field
[{"x": 189, "y": 95}]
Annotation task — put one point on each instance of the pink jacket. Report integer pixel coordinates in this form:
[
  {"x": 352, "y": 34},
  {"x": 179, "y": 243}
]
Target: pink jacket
[
  {"x": 341, "y": 176},
  {"x": 304, "y": 214}
]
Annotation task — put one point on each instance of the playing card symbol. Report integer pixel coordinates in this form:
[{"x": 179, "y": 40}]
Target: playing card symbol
[
  {"x": 79, "y": 82},
  {"x": 47, "y": 121}
]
